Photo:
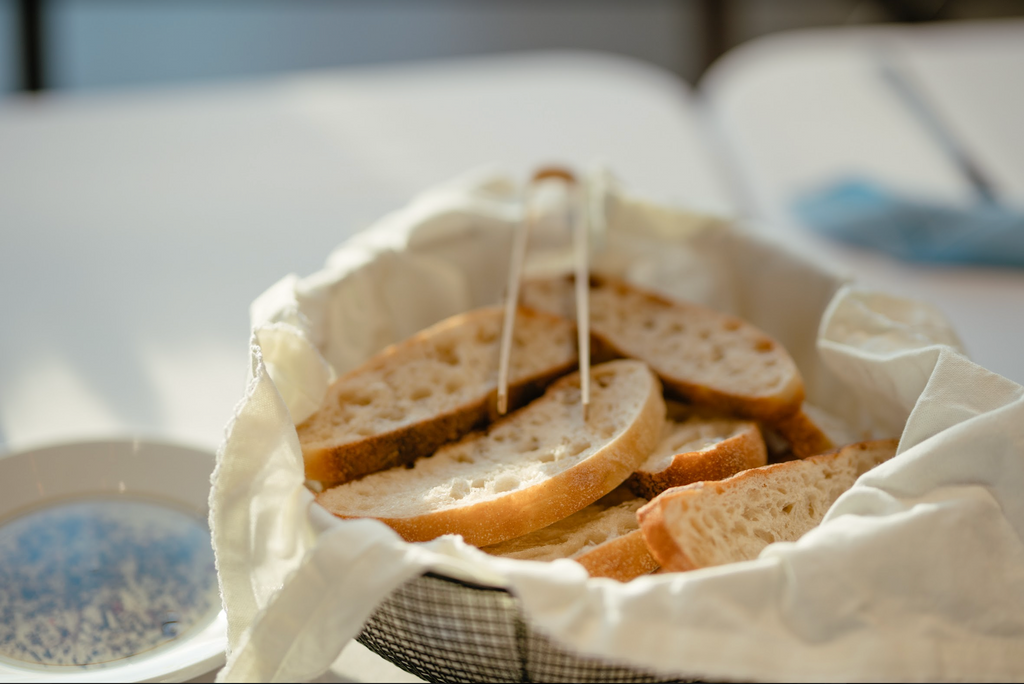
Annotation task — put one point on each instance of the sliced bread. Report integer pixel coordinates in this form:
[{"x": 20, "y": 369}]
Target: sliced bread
[
  {"x": 433, "y": 388},
  {"x": 713, "y": 523},
  {"x": 696, "y": 449},
  {"x": 808, "y": 432},
  {"x": 701, "y": 355},
  {"x": 537, "y": 465},
  {"x": 604, "y": 538}
]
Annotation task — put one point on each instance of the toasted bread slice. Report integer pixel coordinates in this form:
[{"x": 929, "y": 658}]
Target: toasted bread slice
[
  {"x": 529, "y": 469},
  {"x": 701, "y": 355},
  {"x": 433, "y": 388},
  {"x": 713, "y": 523},
  {"x": 604, "y": 538},
  {"x": 803, "y": 434},
  {"x": 696, "y": 449},
  {"x": 810, "y": 431}
]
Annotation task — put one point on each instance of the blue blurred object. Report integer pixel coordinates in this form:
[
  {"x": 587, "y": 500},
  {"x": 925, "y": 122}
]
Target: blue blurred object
[{"x": 865, "y": 214}]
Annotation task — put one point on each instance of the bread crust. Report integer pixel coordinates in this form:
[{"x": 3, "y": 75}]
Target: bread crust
[
  {"x": 351, "y": 461},
  {"x": 522, "y": 511},
  {"x": 740, "y": 452},
  {"x": 624, "y": 558},
  {"x": 335, "y": 463},
  {"x": 769, "y": 406},
  {"x": 662, "y": 547},
  {"x": 657, "y": 532},
  {"x": 803, "y": 434}
]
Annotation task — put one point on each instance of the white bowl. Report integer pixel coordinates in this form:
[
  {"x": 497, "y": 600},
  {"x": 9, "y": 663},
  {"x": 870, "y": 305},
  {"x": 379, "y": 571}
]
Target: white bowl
[{"x": 117, "y": 528}]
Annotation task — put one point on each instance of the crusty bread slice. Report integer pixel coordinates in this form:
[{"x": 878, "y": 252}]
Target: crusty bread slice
[
  {"x": 803, "y": 434},
  {"x": 529, "y": 469},
  {"x": 430, "y": 389},
  {"x": 699, "y": 448},
  {"x": 713, "y": 523},
  {"x": 604, "y": 538},
  {"x": 701, "y": 355}
]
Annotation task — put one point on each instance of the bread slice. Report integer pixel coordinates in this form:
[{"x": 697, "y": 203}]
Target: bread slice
[
  {"x": 713, "y": 523},
  {"x": 803, "y": 434},
  {"x": 433, "y": 388},
  {"x": 604, "y": 538},
  {"x": 701, "y": 355},
  {"x": 529, "y": 469},
  {"x": 699, "y": 448}
]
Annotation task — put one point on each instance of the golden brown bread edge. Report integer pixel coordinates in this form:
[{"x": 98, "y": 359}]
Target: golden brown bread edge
[
  {"x": 621, "y": 559},
  {"x": 660, "y": 542},
  {"x": 770, "y": 409},
  {"x": 521, "y": 512},
  {"x": 803, "y": 434},
  {"x": 726, "y": 458},
  {"x": 402, "y": 446}
]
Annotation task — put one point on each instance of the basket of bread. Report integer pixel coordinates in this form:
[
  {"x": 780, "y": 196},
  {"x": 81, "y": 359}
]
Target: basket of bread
[{"x": 735, "y": 465}]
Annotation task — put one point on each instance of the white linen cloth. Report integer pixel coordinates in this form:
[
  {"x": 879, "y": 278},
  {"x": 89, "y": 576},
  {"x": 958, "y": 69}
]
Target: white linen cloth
[{"x": 916, "y": 573}]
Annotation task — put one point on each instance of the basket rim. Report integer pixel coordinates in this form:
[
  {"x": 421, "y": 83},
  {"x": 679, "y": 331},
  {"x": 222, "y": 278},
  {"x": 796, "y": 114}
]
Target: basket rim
[{"x": 437, "y": 574}]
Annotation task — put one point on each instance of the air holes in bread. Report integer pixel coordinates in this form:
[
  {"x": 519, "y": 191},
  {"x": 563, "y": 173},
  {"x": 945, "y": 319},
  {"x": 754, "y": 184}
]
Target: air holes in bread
[
  {"x": 441, "y": 379},
  {"x": 765, "y": 536},
  {"x": 460, "y": 488},
  {"x": 578, "y": 447},
  {"x": 486, "y": 335},
  {"x": 354, "y": 399},
  {"x": 787, "y": 509},
  {"x": 446, "y": 354},
  {"x": 393, "y": 413},
  {"x": 421, "y": 393},
  {"x": 505, "y": 483}
]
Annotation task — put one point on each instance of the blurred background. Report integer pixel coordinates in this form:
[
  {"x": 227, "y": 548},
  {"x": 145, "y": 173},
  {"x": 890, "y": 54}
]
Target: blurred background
[
  {"x": 86, "y": 44},
  {"x": 194, "y": 152}
]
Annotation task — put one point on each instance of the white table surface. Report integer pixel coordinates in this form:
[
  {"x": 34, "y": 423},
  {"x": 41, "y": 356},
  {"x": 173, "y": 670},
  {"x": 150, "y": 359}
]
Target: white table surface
[{"x": 137, "y": 226}]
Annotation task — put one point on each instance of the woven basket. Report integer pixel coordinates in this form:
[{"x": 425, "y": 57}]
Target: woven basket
[{"x": 446, "y": 630}]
